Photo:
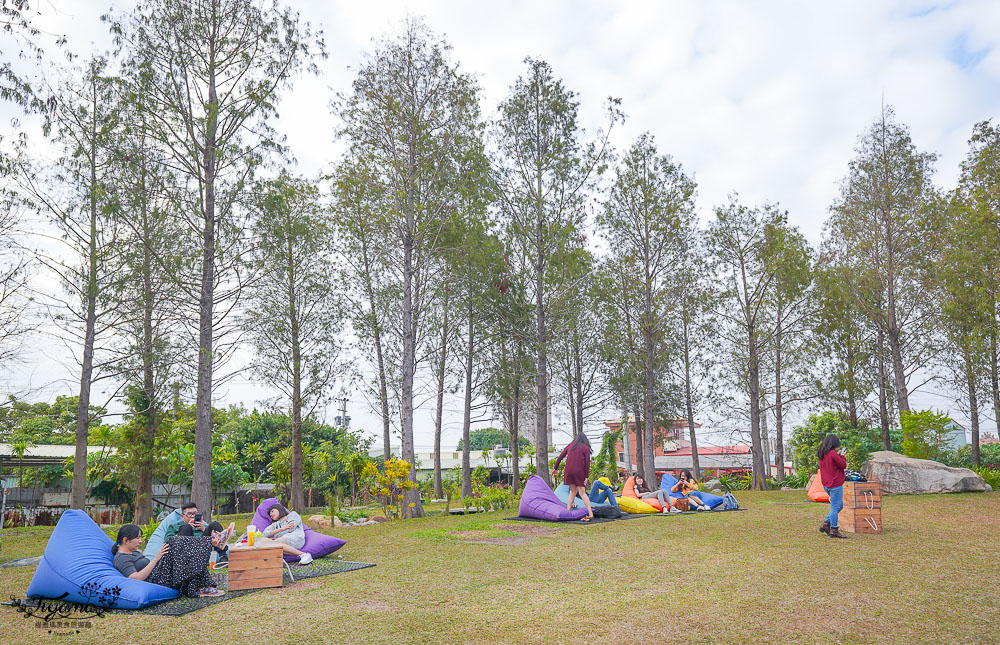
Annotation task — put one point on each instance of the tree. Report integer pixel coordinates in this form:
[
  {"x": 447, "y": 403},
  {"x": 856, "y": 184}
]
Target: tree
[
  {"x": 294, "y": 320},
  {"x": 214, "y": 70},
  {"x": 883, "y": 219},
  {"x": 647, "y": 218},
  {"x": 79, "y": 199},
  {"x": 741, "y": 242},
  {"x": 412, "y": 116},
  {"x": 543, "y": 172},
  {"x": 488, "y": 439}
]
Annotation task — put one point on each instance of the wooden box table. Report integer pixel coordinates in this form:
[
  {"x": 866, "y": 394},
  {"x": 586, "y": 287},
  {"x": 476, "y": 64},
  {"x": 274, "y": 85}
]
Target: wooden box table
[
  {"x": 862, "y": 512},
  {"x": 257, "y": 566}
]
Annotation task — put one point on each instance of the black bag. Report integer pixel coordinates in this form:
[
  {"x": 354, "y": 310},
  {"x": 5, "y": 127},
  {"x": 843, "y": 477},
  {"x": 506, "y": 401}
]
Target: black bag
[
  {"x": 854, "y": 476},
  {"x": 610, "y": 512}
]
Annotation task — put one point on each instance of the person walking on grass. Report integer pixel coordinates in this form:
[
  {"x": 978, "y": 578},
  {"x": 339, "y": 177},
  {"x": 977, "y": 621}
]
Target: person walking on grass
[
  {"x": 831, "y": 472},
  {"x": 577, "y": 456}
]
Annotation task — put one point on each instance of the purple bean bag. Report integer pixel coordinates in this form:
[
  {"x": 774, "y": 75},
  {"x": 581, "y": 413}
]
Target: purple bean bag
[
  {"x": 539, "y": 502},
  {"x": 317, "y": 544},
  {"x": 668, "y": 482}
]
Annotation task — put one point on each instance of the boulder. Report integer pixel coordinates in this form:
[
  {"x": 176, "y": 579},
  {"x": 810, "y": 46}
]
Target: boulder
[
  {"x": 900, "y": 475},
  {"x": 377, "y": 519},
  {"x": 989, "y": 489},
  {"x": 337, "y": 524},
  {"x": 713, "y": 484},
  {"x": 317, "y": 522}
]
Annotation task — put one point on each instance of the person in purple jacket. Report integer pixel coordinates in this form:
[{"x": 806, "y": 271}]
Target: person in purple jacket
[{"x": 577, "y": 456}]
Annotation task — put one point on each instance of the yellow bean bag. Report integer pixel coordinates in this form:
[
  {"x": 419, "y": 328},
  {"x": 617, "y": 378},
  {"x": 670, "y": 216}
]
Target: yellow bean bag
[{"x": 631, "y": 504}]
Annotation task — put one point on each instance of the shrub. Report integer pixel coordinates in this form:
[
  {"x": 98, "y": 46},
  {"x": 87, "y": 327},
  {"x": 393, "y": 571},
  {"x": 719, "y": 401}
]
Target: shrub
[
  {"x": 923, "y": 433},
  {"x": 389, "y": 485},
  {"x": 495, "y": 496},
  {"x": 860, "y": 442},
  {"x": 990, "y": 475}
]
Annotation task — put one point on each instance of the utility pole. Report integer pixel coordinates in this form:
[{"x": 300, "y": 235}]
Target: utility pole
[{"x": 343, "y": 420}]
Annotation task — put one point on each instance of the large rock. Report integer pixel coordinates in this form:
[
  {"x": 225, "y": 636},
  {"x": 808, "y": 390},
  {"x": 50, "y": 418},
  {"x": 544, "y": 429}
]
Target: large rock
[
  {"x": 899, "y": 474},
  {"x": 317, "y": 522}
]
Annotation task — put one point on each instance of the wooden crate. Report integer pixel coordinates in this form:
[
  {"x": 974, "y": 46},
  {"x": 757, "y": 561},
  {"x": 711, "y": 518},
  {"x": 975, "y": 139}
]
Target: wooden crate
[
  {"x": 255, "y": 567},
  {"x": 862, "y": 512}
]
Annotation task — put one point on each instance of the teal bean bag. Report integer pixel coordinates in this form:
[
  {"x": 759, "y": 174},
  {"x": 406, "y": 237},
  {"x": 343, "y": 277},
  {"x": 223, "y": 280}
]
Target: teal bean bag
[{"x": 159, "y": 536}]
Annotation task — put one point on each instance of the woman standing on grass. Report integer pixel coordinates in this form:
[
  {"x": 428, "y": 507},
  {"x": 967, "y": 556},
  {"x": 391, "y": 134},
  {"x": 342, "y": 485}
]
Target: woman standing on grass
[
  {"x": 577, "y": 455},
  {"x": 831, "y": 472}
]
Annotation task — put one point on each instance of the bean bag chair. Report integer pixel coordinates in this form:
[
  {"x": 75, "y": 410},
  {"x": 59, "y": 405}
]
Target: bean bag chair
[
  {"x": 562, "y": 492},
  {"x": 159, "y": 536},
  {"x": 77, "y": 567},
  {"x": 317, "y": 544},
  {"x": 630, "y": 502},
  {"x": 668, "y": 481},
  {"x": 816, "y": 491},
  {"x": 539, "y": 502}
]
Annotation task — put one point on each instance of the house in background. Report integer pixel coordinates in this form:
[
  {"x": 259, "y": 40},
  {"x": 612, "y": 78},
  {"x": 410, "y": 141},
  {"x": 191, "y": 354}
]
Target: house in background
[
  {"x": 954, "y": 437},
  {"x": 672, "y": 450}
]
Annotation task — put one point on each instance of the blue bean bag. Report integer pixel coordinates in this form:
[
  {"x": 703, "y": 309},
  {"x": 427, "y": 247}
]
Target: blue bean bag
[
  {"x": 159, "y": 535},
  {"x": 76, "y": 567},
  {"x": 539, "y": 502},
  {"x": 668, "y": 481},
  {"x": 562, "y": 492}
]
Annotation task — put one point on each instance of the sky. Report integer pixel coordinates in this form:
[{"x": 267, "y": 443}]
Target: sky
[{"x": 763, "y": 99}]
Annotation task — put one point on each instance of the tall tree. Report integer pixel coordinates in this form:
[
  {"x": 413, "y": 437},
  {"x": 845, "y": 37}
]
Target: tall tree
[
  {"x": 739, "y": 243},
  {"x": 215, "y": 71},
  {"x": 543, "y": 173},
  {"x": 882, "y": 218},
  {"x": 294, "y": 315},
  {"x": 79, "y": 199},
  {"x": 414, "y": 115},
  {"x": 648, "y": 214}
]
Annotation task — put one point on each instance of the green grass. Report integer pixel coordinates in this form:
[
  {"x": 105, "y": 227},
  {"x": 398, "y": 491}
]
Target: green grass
[{"x": 762, "y": 576}]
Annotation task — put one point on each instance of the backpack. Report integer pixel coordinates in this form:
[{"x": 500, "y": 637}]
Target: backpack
[
  {"x": 729, "y": 502},
  {"x": 854, "y": 476}
]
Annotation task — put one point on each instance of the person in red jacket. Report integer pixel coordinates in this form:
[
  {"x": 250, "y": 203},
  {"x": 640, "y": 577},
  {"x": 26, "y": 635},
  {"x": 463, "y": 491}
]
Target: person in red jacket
[
  {"x": 577, "y": 455},
  {"x": 831, "y": 472}
]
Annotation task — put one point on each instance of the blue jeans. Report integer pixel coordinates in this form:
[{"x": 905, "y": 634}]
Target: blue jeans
[
  {"x": 836, "y": 503},
  {"x": 601, "y": 492}
]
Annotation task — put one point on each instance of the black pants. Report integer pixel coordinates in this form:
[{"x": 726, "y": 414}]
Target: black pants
[{"x": 186, "y": 530}]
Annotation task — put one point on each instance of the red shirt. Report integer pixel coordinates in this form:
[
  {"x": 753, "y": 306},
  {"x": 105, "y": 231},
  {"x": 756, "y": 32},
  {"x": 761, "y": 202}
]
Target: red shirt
[
  {"x": 577, "y": 464},
  {"x": 831, "y": 469}
]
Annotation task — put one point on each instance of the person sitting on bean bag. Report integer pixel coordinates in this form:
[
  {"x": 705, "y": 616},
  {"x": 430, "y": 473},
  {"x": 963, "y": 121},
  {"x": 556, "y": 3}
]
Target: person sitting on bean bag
[
  {"x": 686, "y": 485},
  {"x": 642, "y": 490},
  {"x": 286, "y": 527},
  {"x": 180, "y": 564}
]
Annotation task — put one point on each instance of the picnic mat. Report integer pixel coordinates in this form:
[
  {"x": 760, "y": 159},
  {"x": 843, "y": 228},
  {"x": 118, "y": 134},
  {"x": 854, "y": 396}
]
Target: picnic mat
[
  {"x": 596, "y": 520},
  {"x": 184, "y": 605}
]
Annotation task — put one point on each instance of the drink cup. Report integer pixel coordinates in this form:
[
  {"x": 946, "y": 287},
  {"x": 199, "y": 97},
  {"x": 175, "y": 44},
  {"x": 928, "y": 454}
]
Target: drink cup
[{"x": 251, "y": 533}]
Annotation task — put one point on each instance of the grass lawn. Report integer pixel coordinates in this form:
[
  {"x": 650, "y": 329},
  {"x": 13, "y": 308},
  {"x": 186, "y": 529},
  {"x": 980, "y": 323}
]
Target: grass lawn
[{"x": 760, "y": 576}]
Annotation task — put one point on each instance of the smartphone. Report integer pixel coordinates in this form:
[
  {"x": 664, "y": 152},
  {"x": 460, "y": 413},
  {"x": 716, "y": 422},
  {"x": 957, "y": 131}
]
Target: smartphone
[{"x": 197, "y": 517}]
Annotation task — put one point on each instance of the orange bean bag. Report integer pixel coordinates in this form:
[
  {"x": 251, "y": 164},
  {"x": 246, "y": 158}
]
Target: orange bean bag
[
  {"x": 629, "y": 491},
  {"x": 816, "y": 492}
]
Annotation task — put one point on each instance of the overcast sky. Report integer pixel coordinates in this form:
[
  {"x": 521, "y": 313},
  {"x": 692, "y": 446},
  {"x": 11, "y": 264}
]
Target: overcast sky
[{"x": 762, "y": 98}]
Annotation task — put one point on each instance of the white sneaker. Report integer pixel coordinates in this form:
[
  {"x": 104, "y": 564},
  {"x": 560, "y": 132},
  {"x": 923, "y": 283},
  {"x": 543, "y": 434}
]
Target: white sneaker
[
  {"x": 305, "y": 558},
  {"x": 666, "y": 510},
  {"x": 702, "y": 508},
  {"x": 674, "y": 509}
]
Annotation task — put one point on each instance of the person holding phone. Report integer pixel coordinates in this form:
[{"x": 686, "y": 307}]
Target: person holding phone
[
  {"x": 831, "y": 471},
  {"x": 193, "y": 525}
]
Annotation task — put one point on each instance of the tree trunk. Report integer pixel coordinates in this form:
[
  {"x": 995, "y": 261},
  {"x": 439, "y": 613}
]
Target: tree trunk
[
  {"x": 640, "y": 467},
  {"x": 298, "y": 501},
  {"x": 411, "y": 506},
  {"x": 78, "y": 490},
  {"x": 201, "y": 481},
  {"x": 144, "y": 479},
  {"x": 688, "y": 398},
  {"x": 970, "y": 376},
  {"x": 994, "y": 375},
  {"x": 467, "y": 411},
  {"x": 515, "y": 428},
  {"x": 898, "y": 372},
  {"x": 883, "y": 407},
  {"x": 852, "y": 402},
  {"x": 779, "y": 448},
  {"x": 755, "y": 443},
  {"x": 578, "y": 361},
  {"x": 438, "y": 417}
]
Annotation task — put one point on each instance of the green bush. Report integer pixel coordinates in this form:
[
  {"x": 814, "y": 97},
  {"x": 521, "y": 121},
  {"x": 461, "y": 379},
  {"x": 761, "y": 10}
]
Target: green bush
[
  {"x": 990, "y": 475},
  {"x": 860, "y": 442},
  {"x": 923, "y": 434},
  {"x": 496, "y": 496},
  {"x": 989, "y": 456},
  {"x": 797, "y": 480}
]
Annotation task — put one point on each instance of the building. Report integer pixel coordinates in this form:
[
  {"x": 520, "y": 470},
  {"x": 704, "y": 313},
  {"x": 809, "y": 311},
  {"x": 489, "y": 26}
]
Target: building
[
  {"x": 672, "y": 450},
  {"x": 954, "y": 436}
]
